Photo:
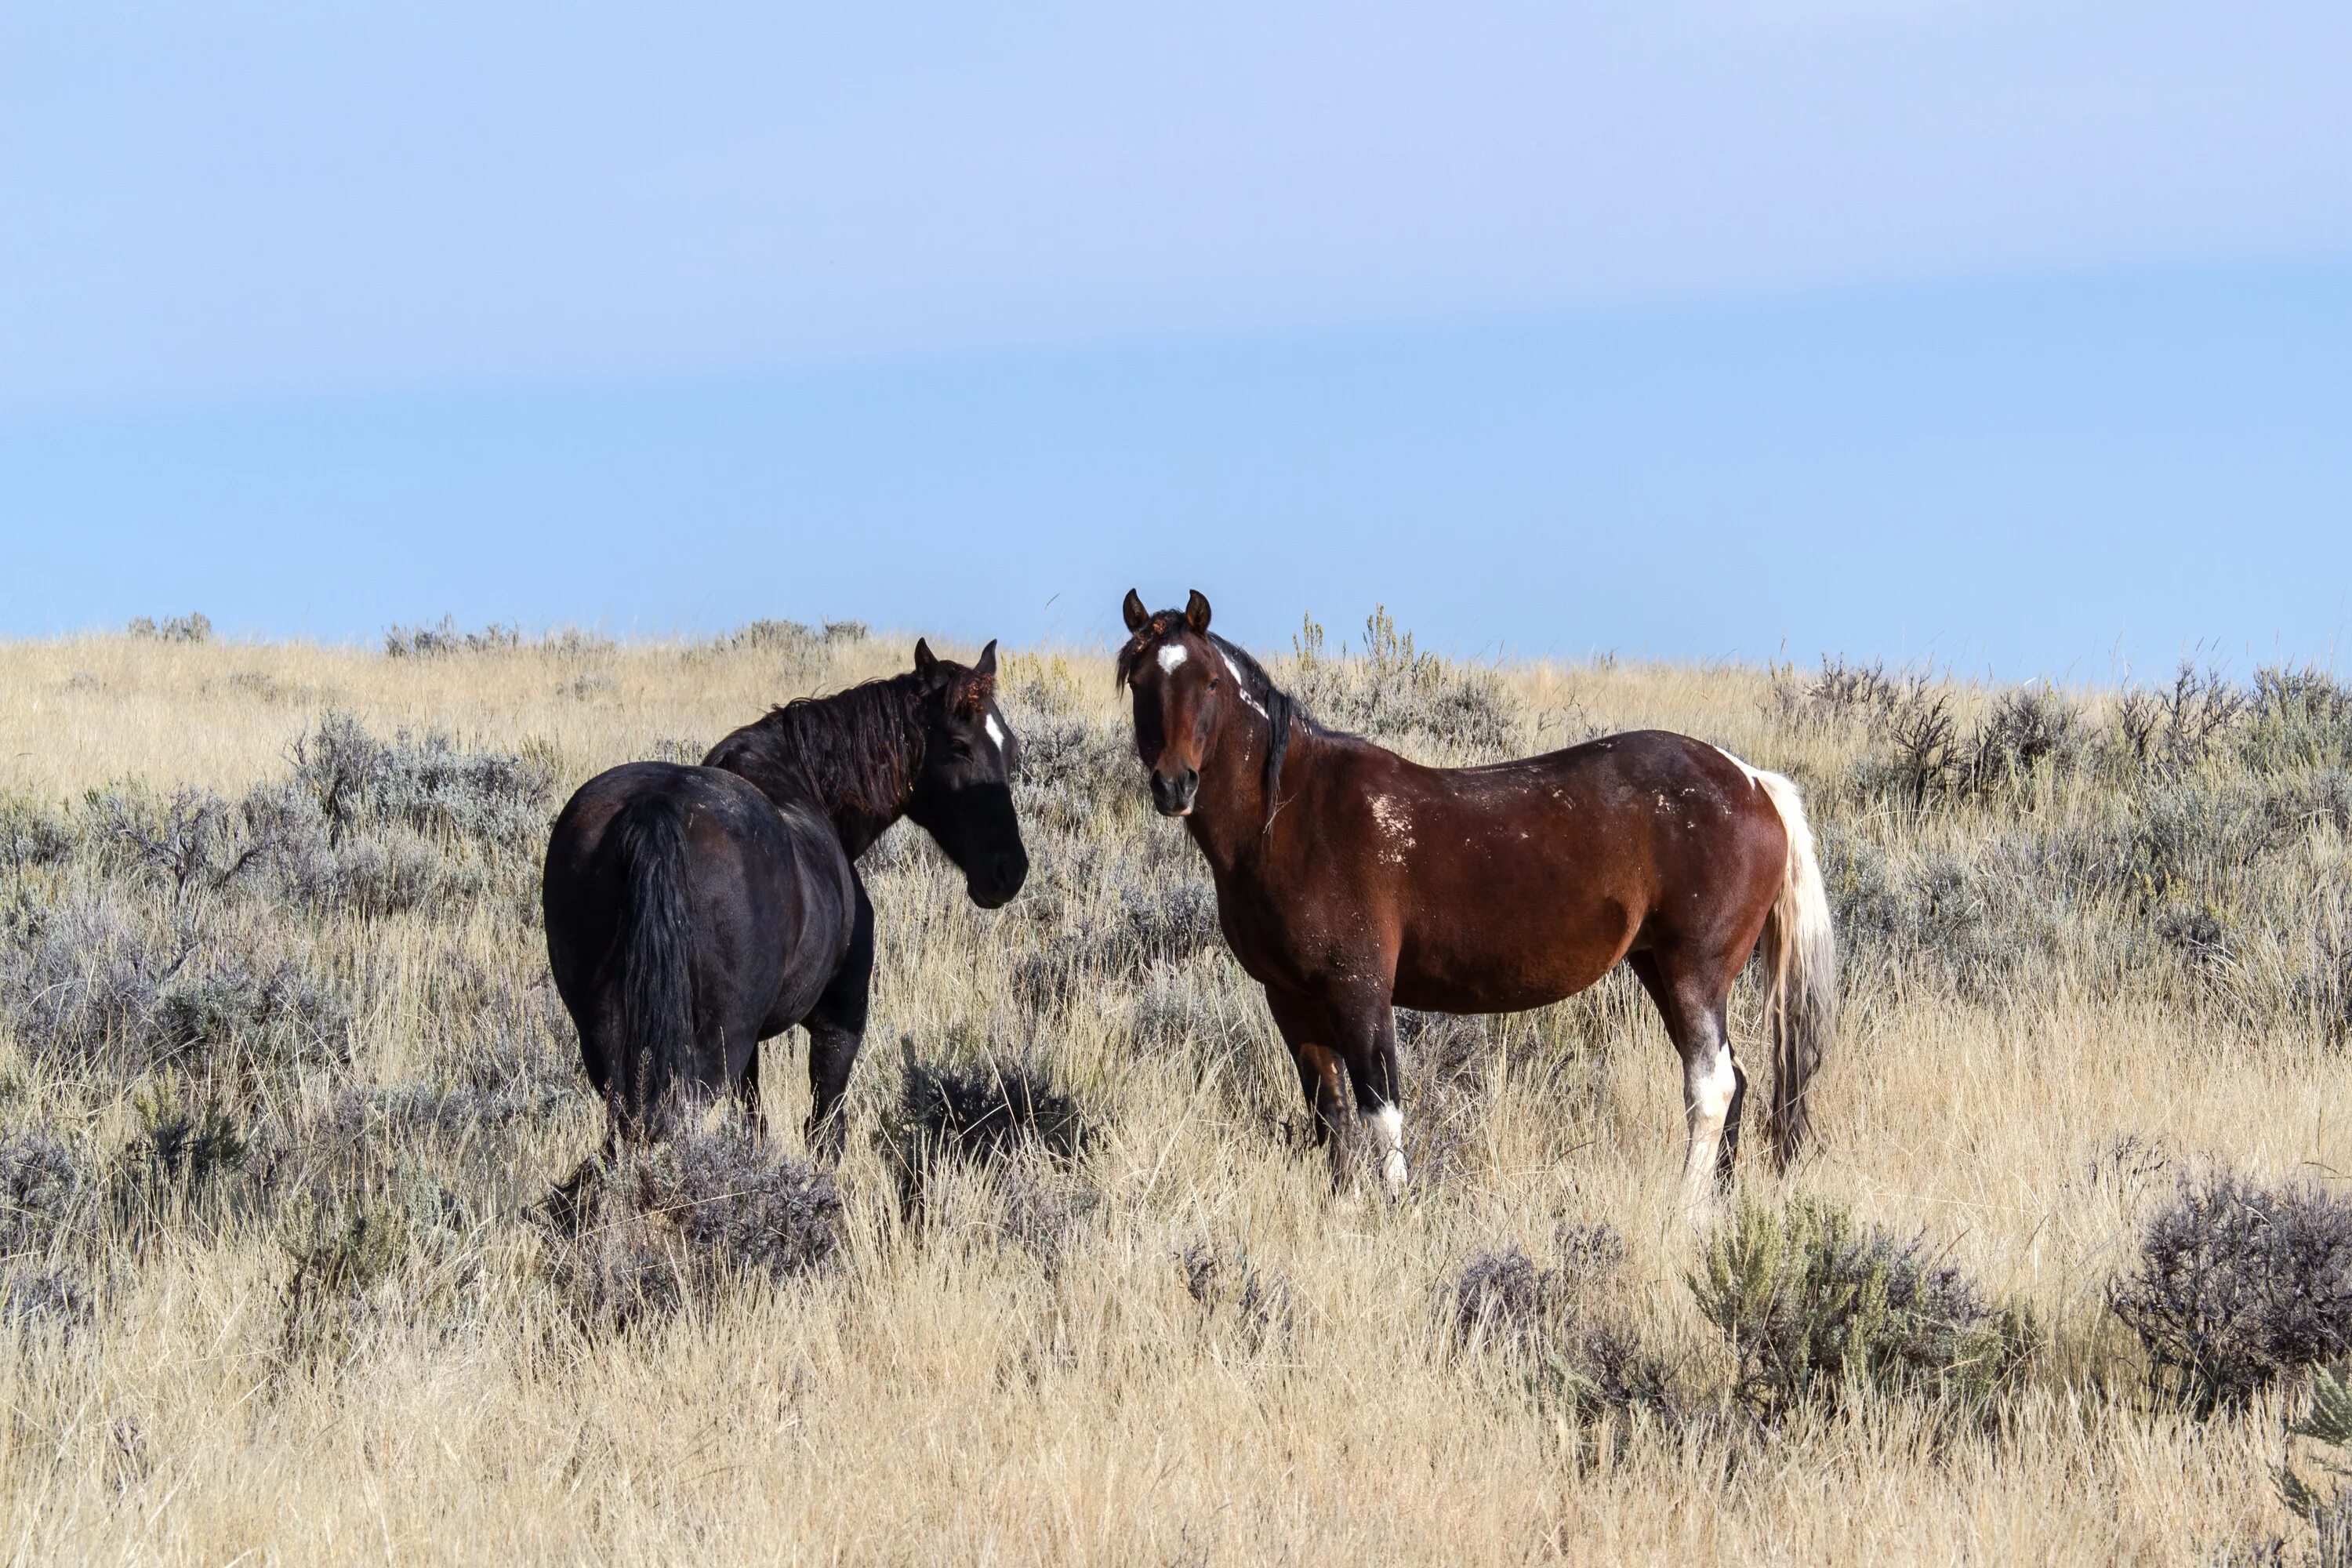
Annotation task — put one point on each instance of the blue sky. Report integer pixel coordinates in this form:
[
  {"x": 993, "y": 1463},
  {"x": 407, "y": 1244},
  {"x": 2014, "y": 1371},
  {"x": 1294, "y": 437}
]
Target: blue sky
[{"x": 2013, "y": 335}]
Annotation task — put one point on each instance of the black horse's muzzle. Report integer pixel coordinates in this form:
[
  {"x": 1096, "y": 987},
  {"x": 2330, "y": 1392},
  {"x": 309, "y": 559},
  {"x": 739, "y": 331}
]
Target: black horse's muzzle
[
  {"x": 993, "y": 885},
  {"x": 1173, "y": 793}
]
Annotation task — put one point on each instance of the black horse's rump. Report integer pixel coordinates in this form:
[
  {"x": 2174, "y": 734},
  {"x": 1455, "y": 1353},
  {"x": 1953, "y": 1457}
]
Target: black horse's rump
[{"x": 693, "y": 912}]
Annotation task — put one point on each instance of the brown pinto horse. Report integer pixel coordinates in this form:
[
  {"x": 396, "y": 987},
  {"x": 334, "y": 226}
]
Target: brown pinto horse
[{"x": 1350, "y": 880}]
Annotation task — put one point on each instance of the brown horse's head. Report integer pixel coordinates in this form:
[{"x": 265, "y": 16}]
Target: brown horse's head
[{"x": 1180, "y": 680}]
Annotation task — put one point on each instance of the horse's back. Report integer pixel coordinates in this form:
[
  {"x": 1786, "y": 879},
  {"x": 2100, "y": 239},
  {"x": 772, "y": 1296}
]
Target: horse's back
[{"x": 1644, "y": 794}]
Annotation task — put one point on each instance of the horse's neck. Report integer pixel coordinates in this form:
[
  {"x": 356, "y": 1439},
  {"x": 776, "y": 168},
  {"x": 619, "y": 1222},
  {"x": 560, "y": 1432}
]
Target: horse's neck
[
  {"x": 858, "y": 826},
  {"x": 783, "y": 775},
  {"x": 1230, "y": 821},
  {"x": 859, "y": 830}
]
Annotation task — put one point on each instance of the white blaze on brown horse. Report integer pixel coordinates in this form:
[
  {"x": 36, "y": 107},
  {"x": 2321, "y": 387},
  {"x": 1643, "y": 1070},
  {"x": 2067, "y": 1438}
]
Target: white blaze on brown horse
[{"x": 1352, "y": 880}]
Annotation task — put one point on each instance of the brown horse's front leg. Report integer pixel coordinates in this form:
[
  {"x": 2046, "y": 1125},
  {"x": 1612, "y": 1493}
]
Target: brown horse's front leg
[
  {"x": 1303, "y": 1025},
  {"x": 1364, "y": 1029},
  {"x": 1318, "y": 1075}
]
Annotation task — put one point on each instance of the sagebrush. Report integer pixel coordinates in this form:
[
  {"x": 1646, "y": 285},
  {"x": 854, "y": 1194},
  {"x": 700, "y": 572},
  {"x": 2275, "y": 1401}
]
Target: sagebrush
[{"x": 285, "y": 1096}]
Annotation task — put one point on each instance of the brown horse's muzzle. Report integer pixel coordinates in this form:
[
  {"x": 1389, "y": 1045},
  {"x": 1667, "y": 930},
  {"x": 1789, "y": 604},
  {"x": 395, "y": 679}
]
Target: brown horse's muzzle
[{"x": 1173, "y": 793}]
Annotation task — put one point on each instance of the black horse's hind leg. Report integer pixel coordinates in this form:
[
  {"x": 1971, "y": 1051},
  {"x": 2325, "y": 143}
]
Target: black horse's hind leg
[
  {"x": 837, "y": 1028},
  {"x": 747, "y": 1089},
  {"x": 1715, "y": 1086},
  {"x": 1302, "y": 1023}
]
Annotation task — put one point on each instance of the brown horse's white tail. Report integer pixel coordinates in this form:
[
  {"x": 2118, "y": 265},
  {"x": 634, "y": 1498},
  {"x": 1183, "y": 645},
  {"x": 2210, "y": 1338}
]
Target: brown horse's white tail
[{"x": 1800, "y": 955}]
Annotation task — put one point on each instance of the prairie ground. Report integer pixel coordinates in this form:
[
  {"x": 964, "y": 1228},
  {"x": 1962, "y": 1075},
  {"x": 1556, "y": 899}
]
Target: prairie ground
[{"x": 284, "y": 1091}]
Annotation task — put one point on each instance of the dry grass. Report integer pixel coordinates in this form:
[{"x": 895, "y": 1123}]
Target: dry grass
[{"x": 1021, "y": 1369}]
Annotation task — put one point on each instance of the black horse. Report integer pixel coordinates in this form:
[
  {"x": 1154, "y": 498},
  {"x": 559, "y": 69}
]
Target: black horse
[{"x": 694, "y": 912}]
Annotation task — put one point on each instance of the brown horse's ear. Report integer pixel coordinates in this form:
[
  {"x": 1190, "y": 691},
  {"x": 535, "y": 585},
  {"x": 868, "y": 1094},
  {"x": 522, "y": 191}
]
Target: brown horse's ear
[
  {"x": 987, "y": 665},
  {"x": 1134, "y": 611},
  {"x": 1196, "y": 611},
  {"x": 927, "y": 663}
]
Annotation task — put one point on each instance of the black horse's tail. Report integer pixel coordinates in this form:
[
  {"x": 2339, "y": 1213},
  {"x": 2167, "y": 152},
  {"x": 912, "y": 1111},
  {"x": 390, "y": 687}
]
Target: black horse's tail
[{"x": 656, "y": 980}]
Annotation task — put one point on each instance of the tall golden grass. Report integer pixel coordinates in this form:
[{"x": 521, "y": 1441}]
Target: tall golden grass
[{"x": 949, "y": 1393}]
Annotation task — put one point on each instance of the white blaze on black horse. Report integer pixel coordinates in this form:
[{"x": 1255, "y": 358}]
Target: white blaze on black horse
[
  {"x": 694, "y": 912},
  {"x": 1350, "y": 880}
]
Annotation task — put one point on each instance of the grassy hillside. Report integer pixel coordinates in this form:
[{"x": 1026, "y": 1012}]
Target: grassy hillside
[{"x": 284, "y": 1093}]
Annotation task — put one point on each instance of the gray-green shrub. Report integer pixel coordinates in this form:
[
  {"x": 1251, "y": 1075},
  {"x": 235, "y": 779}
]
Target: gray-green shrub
[
  {"x": 1819, "y": 1307},
  {"x": 2237, "y": 1285}
]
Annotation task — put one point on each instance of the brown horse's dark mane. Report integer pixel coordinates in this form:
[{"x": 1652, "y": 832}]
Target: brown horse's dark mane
[
  {"x": 1282, "y": 710},
  {"x": 858, "y": 751}
]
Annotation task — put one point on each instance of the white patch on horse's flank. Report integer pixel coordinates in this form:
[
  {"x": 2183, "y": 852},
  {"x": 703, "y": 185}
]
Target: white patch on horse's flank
[
  {"x": 1388, "y": 1123},
  {"x": 1171, "y": 655},
  {"x": 1396, "y": 826},
  {"x": 1240, "y": 687},
  {"x": 995, "y": 733}
]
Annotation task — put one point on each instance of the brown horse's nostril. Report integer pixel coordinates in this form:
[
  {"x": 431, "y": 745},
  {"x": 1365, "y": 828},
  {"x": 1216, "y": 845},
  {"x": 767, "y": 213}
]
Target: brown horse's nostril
[{"x": 1173, "y": 793}]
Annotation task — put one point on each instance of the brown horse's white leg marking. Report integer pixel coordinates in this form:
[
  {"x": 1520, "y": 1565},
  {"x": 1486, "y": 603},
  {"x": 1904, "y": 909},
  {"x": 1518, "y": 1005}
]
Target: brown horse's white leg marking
[
  {"x": 1709, "y": 1080},
  {"x": 1388, "y": 1124}
]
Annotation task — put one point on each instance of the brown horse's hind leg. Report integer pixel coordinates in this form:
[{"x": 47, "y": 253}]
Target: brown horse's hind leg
[
  {"x": 1301, "y": 1022},
  {"x": 1713, "y": 1087}
]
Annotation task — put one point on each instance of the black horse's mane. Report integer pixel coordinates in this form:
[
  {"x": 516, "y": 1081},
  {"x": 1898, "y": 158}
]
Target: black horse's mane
[
  {"x": 1282, "y": 709},
  {"x": 858, "y": 749}
]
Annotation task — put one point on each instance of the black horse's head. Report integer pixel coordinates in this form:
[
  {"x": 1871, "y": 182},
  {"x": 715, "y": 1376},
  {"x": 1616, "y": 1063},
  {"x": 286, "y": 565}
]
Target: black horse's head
[{"x": 963, "y": 787}]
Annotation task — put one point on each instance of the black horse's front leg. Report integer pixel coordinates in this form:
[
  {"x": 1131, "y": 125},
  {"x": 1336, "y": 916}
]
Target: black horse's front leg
[
  {"x": 832, "y": 1053},
  {"x": 837, "y": 1028}
]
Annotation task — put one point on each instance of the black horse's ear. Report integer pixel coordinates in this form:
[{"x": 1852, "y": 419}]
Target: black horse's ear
[
  {"x": 1196, "y": 611},
  {"x": 1134, "y": 611},
  {"x": 927, "y": 663},
  {"x": 987, "y": 665}
]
